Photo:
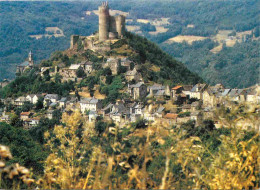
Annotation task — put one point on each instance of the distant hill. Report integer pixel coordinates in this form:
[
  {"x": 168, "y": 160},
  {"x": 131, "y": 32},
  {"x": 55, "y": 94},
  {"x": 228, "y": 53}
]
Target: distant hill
[{"x": 25, "y": 24}]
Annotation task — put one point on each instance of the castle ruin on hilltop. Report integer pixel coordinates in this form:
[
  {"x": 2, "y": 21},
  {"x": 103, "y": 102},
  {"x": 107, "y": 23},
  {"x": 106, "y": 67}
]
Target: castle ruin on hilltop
[{"x": 110, "y": 28}]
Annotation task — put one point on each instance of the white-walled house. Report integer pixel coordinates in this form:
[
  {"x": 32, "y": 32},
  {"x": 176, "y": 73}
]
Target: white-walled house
[
  {"x": 90, "y": 104},
  {"x": 33, "y": 98}
]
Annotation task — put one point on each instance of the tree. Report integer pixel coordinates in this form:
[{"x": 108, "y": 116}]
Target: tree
[
  {"x": 80, "y": 73},
  {"x": 16, "y": 121},
  {"x": 39, "y": 103},
  {"x": 27, "y": 106}
]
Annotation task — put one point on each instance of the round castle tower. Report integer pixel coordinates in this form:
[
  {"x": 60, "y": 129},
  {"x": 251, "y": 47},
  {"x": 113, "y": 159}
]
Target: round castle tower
[
  {"x": 103, "y": 21},
  {"x": 120, "y": 25}
]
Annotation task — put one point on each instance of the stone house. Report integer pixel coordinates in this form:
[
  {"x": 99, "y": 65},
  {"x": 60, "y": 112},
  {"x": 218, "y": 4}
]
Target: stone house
[
  {"x": 133, "y": 75},
  {"x": 125, "y": 62},
  {"x": 197, "y": 90},
  {"x": 138, "y": 90},
  {"x": 186, "y": 108},
  {"x": 237, "y": 95},
  {"x": 62, "y": 103},
  {"x": 154, "y": 89},
  {"x": 113, "y": 64},
  {"x": 90, "y": 104},
  {"x": 4, "y": 83},
  {"x": 71, "y": 72},
  {"x": 87, "y": 66},
  {"x": 50, "y": 114},
  {"x": 25, "y": 115},
  {"x": 186, "y": 90},
  {"x": 171, "y": 118},
  {"x": 209, "y": 98},
  {"x": 197, "y": 117},
  {"x": 176, "y": 91},
  {"x": 106, "y": 110},
  {"x": 50, "y": 98}
]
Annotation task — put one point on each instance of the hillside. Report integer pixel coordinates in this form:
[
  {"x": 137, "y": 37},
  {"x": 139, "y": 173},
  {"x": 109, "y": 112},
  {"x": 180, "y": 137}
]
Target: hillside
[{"x": 154, "y": 65}]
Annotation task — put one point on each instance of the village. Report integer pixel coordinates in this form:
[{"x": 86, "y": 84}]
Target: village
[
  {"x": 143, "y": 100},
  {"x": 153, "y": 103}
]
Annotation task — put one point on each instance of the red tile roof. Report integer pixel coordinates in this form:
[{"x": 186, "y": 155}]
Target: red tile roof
[
  {"x": 176, "y": 87},
  {"x": 26, "y": 113},
  {"x": 171, "y": 116}
]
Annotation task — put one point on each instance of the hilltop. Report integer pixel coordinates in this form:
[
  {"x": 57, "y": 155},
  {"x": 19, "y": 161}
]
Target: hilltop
[{"x": 154, "y": 66}]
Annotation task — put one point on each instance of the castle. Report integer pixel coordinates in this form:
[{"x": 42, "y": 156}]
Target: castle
[{"x": 110, "y": 27}]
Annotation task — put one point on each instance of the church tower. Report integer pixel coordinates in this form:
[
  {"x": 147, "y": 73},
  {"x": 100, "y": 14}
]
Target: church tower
[{"x": 30, "y": 59}]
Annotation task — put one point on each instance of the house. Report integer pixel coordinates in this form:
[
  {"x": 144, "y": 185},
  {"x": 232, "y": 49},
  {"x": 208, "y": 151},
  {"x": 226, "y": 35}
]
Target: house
[
  {"x": 160, "y": 112},
  {"x": 62, "y": 103},
  {"x": 5, "y": 117},
  {"x": 116, "y": 117},
  {"x": 171, "y": 118},
  {"x": 4, "y": 83},
  {"x": 181, "y": 93},
  {"x": 186, "y": 90},
  {"x": 138, "y": 90},
  {"x": 133, "y": 75},
  {"x": 113, "y": 64},
  {"x": 70, "y": 72},
  {"x": 237, "y": 95},
  {"x": 253, "y": 95},
  {"x": 197, "y": 90},
  {"x": 186, "y": 108},
  {"x": 20, "y": 101},
  {"x": 50, "y": 98},
  {"x": 25, "y": 115},
  {"x": 106, "y": 110},
  {"x": 197, "y": 117},
  {"x": 34, "y": 121},
  {"x": 33, "y": 98},
  {"x": 50, "y": 114},
  {"x": 7, "y": 101},
  {"x": 154, "y": 89},
  {"x": 92, "y": 116},
  {"x": 126, "y": 62},
  {"x": 176, "y": 91},
  {"x": 209, "y": 97},
  {"x": 196, "y": 105},
  {"x": 149, "y": 116},
  {"x": 87, "y": 66},
  {"x": 90, "y": 104}
]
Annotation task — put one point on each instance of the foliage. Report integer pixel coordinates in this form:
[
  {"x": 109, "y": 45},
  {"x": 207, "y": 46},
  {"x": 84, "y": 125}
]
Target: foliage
[
  {"x": 24, "y": 149},
  {"x": 170, "y": 69},
  {"x": 184, "y": 114},
  {"x": 34, "y": 84},
  {"x": 80, "y": 73},
  {"x": 13, "y": 176},
  {"x": 112, "y": 90}
]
